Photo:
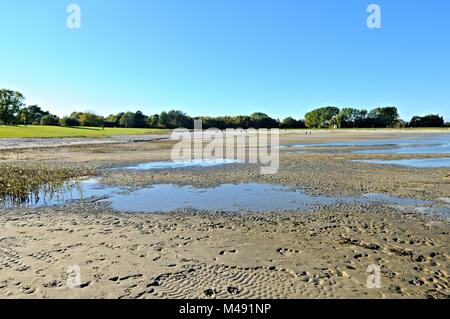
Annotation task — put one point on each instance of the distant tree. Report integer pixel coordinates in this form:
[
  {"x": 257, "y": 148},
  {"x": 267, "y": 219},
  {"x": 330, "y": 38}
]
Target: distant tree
[
  {"x": 262, "y": 120},
  {"x": 75, "y": 115},
  {"x": 350, "y": 117},
  {"x": 416, "y": 121},
  {"x": 164, "y": 119},
  {"x": 141, "y": 121},
  {"x": 383, "y": 117},
  {"x": 69, "y": 121},
  {"x": 400, "y": 124},
  {"x": 35, "y": 113},
  {"x": 175, "y": 119},
  {"x": 113, "y": 120},
  {"x": 89, "y": 119},
  {"x": 427, "y": 121},
  {"x": 241, "y": 121},
  {"x": 180, "y": 119},
  {"x": 290, "y": 122},
  {"x": 128, "y": 120},
  {"x": 153, "y": 121},
  {"x": 13, "y": 111},
  {"x": 212, "y": 122},
  {"x": 359, "y": 118},
  {"x": 50, "y": 120},
  {"x": 10, "y": 104},
  {"x": 301, "y": 124},
  {"x": 24, "y": 116},
  {"x": 321, "y": 117}
]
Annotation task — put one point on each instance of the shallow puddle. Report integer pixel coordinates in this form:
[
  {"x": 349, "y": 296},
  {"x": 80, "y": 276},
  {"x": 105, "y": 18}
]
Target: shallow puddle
[
  {"x": 227, "y": 197},
  {"x": 417, "y": 149},
  {"x": 180, "y": 164},
  {"x": 437, "y": 144},
  {"x": 415, "y": 162}
]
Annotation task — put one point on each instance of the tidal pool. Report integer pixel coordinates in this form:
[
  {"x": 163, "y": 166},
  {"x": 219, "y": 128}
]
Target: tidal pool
[
  {"x": 415, "y": 149},
  {"x": 180, "y": 164},
  {"x": 422, "y": 144},
  {"x": 227, "y": 198},
  {"x": 415, "y": 162}
]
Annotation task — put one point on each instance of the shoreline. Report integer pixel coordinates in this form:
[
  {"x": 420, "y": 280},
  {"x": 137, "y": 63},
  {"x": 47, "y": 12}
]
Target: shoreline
[{"x": 12, "y": 143}]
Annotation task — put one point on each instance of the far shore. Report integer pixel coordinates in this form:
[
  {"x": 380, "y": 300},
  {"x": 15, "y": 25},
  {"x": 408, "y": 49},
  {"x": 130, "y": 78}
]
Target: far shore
[{"x": 121, "y": 136}]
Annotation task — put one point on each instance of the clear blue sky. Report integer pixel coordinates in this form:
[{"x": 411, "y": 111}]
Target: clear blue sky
[{"x": 215, "y": 57}]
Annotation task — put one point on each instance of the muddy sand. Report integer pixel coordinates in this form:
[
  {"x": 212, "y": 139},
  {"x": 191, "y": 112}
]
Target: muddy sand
[{"x": 321, "y": 253}]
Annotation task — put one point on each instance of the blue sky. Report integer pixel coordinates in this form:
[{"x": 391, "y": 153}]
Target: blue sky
[{"x": 215, "y": 57}]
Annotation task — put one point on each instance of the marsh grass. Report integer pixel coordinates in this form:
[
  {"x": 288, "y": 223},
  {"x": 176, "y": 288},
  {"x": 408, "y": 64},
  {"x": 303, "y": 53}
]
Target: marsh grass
[{"x": 21, "y": 183}]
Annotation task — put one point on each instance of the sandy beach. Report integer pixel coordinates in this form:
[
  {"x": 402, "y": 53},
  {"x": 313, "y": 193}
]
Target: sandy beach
[{"x": 323, "y": 252}]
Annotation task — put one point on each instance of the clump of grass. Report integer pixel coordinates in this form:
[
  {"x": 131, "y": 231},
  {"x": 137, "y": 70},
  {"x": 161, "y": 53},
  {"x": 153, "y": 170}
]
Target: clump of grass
[{"x": 21, "y": 183}]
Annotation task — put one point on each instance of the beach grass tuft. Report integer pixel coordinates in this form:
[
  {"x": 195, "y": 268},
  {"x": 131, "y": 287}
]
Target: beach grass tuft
[{"x": 24, "y": 182}]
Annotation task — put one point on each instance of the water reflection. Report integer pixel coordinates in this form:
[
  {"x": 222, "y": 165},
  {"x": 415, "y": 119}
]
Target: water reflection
[
  {"x": 415, "y": 162},
  {"x": 227, "y": 197},
  {"x": 180, "y": 164},
  {"x": 437, "y": 144}
]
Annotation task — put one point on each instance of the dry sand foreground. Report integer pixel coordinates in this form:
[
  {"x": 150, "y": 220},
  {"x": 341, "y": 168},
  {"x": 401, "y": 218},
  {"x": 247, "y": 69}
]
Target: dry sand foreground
[{"x": 324, "y": 253}]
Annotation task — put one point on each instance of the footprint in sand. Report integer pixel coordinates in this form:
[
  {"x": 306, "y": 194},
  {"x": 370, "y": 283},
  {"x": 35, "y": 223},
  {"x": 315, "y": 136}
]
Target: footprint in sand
[
  {"x": 287, "y": 251},
  {"x": 224, "y": 252}
]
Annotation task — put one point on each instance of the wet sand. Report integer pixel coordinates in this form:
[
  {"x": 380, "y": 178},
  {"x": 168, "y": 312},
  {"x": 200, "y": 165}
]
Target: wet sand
[{"x": 306, "y": 254}]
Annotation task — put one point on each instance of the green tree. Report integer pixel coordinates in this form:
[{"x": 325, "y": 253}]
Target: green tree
[
  {"x": 290, "y": 122},
  {"x": 24, "y": 116},
  {"x": 50, "y": 120},
  {"x": 35, "y": 113},
  {"x": 240, "y": 121},
  {"x": 174, "y": 119},
  {"x": 350, "y": 117},
  {"x": 113, "y": 120},
  {"x": 153, "y": 121},
  {"x": 10, "y": 104},
  {"x": 383, "y": 117},
  {"x": 128, "y": 120},
  {"x": 262, "y": 120},
  {"x": 430, "y": 120},
  {"x": 212, "y": 122},
  {"x": 164, "y": 119},
  {"x": 69, "y": 121},
  {"x": 140, "y": 120},
  {"x": 321, "y": 117},
  {"x": 88, "y": 119}
]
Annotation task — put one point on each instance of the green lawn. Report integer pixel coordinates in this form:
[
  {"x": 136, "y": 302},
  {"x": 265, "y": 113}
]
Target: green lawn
[{"x": 57, "y": 131}]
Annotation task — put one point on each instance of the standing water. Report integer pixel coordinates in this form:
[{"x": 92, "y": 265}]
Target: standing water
[{"x": 226, "y": 197}]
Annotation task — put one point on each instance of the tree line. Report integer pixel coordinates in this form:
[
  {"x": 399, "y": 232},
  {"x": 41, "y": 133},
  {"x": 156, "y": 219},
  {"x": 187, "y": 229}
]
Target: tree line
[{"x": 13, "y": 111}]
